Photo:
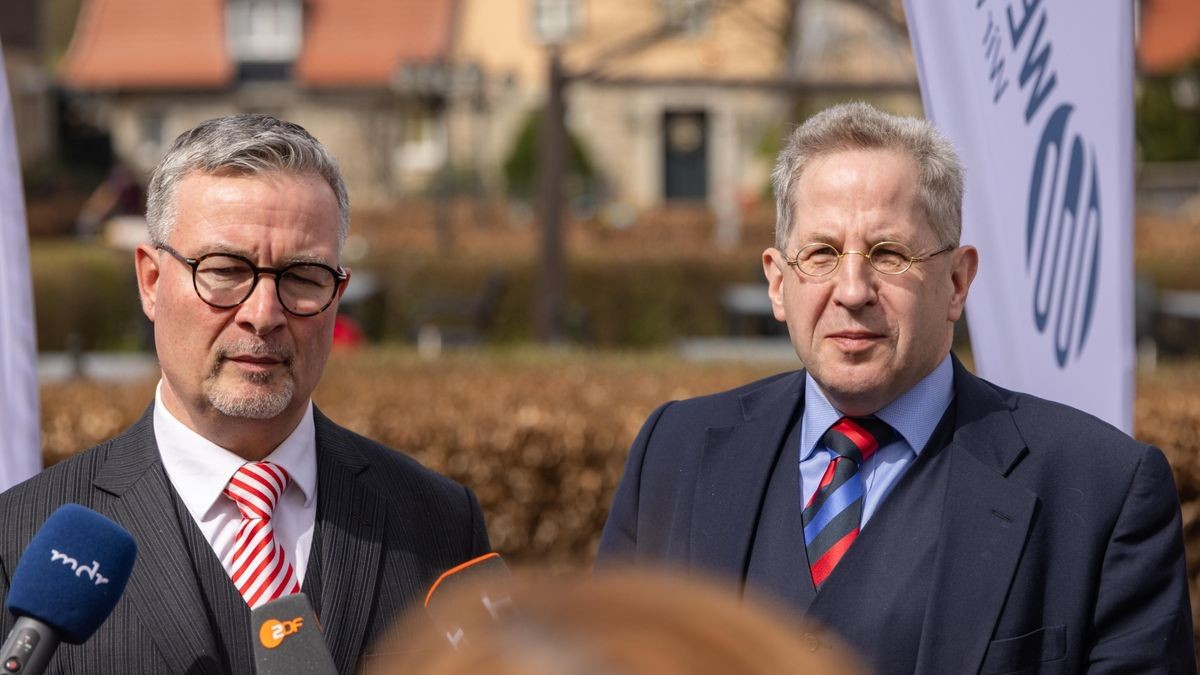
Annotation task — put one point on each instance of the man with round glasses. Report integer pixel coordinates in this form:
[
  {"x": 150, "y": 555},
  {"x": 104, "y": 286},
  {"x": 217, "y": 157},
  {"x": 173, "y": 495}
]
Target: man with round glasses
[
  {"x": 935, "y": 522},
  {"x": 236, "y": 488}
]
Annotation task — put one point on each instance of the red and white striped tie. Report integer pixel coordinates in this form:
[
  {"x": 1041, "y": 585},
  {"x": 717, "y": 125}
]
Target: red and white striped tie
[{"x": 261, "y": 570}]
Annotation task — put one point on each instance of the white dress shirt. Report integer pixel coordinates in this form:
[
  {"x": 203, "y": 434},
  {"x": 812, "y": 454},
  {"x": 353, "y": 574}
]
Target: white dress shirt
[{"x": 199, "y": 470}]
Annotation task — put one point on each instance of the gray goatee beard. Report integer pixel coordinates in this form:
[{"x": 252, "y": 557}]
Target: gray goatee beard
[{"x": 270, "y": 401}]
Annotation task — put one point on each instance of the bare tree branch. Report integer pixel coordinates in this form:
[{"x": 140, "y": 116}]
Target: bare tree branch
[{"x": 891, "y": 12}]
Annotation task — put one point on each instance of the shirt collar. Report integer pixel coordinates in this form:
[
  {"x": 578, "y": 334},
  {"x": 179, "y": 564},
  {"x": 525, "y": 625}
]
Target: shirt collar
[
  {"x": 914, "y": 415},
  {"x": 200, "y": 469}
]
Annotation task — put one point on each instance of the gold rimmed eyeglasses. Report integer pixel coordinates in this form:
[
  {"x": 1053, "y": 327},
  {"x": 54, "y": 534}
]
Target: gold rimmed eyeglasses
[{"x": 886, "y": 257}]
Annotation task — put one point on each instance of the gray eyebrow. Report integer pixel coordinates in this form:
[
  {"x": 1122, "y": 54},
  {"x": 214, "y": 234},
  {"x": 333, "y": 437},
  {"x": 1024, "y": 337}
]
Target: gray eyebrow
[
  {"x": 221, "y": 248},
  {"x": 230, "y": 250},
  {"x": 831, "y": 240},
  {"x": 310, "y": 259}
]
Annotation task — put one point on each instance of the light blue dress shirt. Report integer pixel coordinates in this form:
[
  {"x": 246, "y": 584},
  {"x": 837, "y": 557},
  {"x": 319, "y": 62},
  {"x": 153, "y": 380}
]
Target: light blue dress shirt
[{"x": 914, "y": 416}]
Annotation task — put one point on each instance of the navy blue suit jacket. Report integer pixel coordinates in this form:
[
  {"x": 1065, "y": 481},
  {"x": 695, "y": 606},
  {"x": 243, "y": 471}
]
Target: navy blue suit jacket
[{"x": 1060, "y": 550}]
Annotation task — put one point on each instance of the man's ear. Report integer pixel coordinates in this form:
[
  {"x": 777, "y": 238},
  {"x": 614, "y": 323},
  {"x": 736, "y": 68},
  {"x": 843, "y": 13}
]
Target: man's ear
[
  {"x": 774, "y": 267},
  {"x": 342, "y": 288},
  {"x": 966, "y": 264},
  {"x": 145, "y": 263}
]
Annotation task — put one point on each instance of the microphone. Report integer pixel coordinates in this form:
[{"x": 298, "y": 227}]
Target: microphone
[
  {"x": 65, "y": 585},
  {"x": 486, "y": 576},
  {"x": 287, "y": 639}
]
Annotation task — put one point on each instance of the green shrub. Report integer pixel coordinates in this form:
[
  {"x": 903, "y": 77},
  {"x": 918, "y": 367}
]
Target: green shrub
[
  {"x": 612, "y": 301},
  {"x": 1165, "y": 132},
  {"x": 87, "y": 290},
  {"x": 520, "y": 167}
]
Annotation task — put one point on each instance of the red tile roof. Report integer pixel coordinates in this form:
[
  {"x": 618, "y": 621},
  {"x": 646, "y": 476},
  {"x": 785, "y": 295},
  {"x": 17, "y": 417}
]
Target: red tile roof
[
  {"x": 1170, "y": 36},
  {"x": 180, "y": 44},
  {"x": 360, "y": 42},
  {"x": 136, "y": 44}
]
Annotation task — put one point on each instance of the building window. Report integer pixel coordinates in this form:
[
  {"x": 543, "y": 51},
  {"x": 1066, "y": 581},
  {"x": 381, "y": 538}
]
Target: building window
[
  {"x": 423, "y": 141},
  {"x": 264, "y": 31},
  {"x": 690, "y": 17},
  {"x": 151, "y": 136},
  {"x": 555, "y": 21},
  {"x": 151, "y": 131}
]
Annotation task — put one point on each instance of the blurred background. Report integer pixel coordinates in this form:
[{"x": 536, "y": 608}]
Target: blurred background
[{"x": 559, "y": 208}]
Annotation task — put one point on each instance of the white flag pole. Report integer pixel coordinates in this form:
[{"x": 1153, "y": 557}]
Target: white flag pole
[{"x": 20, "y": 454}]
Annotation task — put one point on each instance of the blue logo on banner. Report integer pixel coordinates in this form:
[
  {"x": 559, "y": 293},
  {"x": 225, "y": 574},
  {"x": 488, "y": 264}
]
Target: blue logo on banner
[
  {"x": 1062, "y": 236},
  {"x": 1063, "y": 225}
]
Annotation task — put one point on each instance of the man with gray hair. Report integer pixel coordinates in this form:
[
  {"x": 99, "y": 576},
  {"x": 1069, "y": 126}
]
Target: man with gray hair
[
  {"x": 236, "y": 488},
  {"x": 934, "y": 521}
]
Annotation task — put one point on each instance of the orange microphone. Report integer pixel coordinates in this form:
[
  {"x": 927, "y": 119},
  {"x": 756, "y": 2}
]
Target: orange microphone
[{"x": 485, "y": 577}]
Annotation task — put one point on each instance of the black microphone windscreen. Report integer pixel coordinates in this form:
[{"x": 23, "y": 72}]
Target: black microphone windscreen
[{"x": 287, "y": 639}]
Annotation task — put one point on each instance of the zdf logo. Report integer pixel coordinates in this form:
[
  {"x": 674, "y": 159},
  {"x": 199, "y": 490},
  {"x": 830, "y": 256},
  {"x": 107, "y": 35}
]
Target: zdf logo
[{"x": 274, "y": 631}]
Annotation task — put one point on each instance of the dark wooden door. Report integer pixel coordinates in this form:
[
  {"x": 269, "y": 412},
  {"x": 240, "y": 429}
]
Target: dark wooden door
[{"x": 685, "y": 155}]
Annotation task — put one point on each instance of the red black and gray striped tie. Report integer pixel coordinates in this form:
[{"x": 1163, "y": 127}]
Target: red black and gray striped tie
[
  {"x": 833, "y": 514},
  {"x": 261, "y": 570}
]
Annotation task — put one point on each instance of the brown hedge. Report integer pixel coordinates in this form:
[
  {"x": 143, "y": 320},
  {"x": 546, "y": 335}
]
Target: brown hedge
[{"x": 542, "y": 437}]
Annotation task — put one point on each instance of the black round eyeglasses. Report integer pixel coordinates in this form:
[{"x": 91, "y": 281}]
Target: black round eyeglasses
[{"x": 226, "y": 280}]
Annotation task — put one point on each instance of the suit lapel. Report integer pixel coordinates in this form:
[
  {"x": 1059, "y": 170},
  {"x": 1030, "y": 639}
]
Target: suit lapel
[
  {"x": 163, "y": 589},
  {"x": 984, "y": 527},
  {"x": 735, "y": 468},
  {"x": 347, "y": 543}
]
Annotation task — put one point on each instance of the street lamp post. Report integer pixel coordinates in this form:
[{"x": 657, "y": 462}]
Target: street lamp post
[{"x": 552, "y": 151}]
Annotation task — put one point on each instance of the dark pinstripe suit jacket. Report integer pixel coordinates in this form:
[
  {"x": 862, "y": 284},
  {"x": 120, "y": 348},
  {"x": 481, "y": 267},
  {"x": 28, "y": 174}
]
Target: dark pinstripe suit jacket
[{"x": 385, "y": 528}]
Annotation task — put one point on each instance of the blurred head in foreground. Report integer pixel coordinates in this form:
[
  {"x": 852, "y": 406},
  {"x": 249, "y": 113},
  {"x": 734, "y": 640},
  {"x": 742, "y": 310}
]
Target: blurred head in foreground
[{"x": 630, "y": 623}]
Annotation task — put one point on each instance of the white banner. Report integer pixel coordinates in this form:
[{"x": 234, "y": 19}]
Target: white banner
[
  {"x": 1038, "y": 98},
  {"x": 20, "y": 449}
]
